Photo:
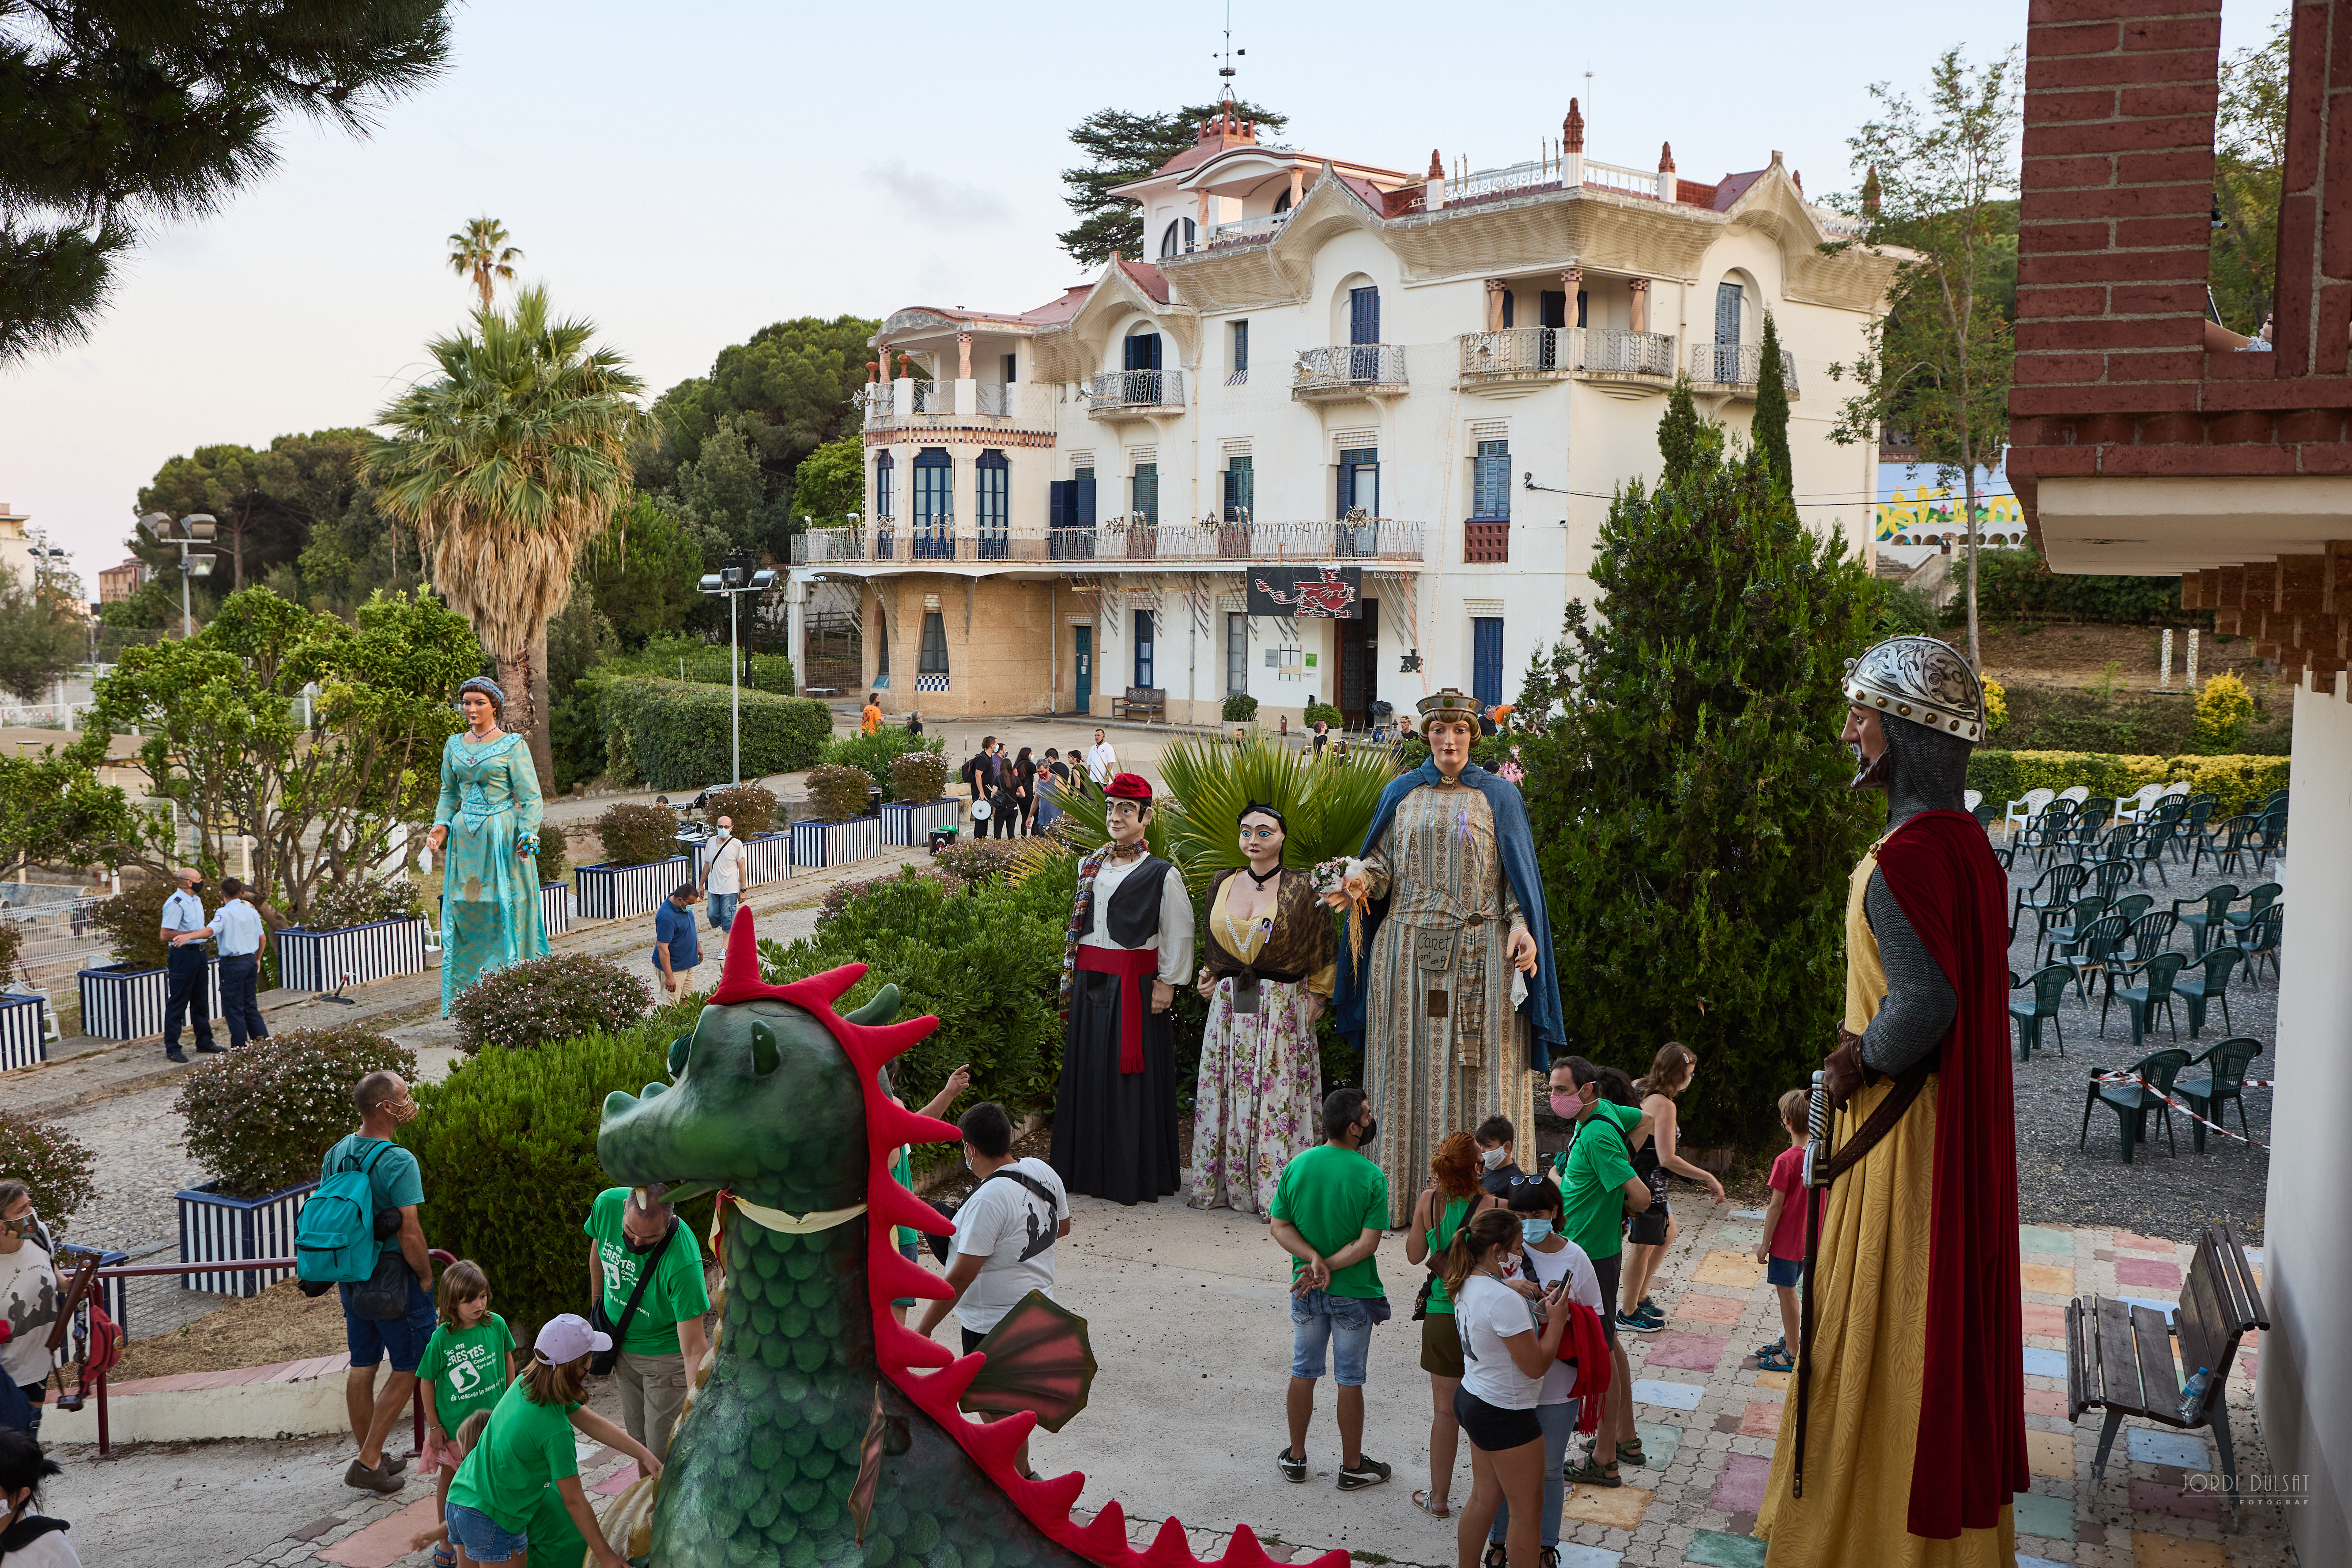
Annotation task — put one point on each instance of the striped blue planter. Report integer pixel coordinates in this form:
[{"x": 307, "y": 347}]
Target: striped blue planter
[
  {"x": 767, "y": 859},
  {"x": 23, "y": 1031},
  {"x": 218, "y": 1229},
  {"x": 836, "y": 843},
  {"x": 555, "y": 908},
  {"x": 122, "y": 1004},
  {"x": 618, "y": 892},
  {"x": 907, "y": 822},
  {"x": 322, "y": 959}
]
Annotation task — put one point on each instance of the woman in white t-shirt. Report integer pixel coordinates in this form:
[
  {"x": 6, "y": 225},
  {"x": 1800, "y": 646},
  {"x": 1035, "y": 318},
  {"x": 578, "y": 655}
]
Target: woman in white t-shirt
[
  {"x": 1509, "y": 1345},
  {"x": 1549, "y": 1258}
]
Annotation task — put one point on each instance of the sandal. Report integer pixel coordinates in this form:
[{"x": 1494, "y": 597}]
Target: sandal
[
  {"x": 1420, "y": 1500},
  {"x": 1592, "y": 1475},
  {"x": 1631, "y": 1453},
  {"x": 1777, "y": 1361},
  {"x": 1496, "y": 1556}
]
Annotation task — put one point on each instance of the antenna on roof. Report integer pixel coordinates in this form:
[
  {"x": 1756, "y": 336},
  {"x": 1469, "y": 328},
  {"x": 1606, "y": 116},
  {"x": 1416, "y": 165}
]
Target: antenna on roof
[{"x": 1228, "y": 55}]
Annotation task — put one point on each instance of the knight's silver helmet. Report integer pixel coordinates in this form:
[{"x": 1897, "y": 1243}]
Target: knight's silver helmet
[{"x": 1920, "y": 680}]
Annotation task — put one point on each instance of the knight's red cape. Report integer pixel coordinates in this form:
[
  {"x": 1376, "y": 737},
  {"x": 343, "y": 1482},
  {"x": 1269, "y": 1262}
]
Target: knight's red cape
[{"x": 1969, "y": 1461}]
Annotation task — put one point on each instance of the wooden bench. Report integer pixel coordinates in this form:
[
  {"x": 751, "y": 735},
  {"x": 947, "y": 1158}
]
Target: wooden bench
[
  {"x": 1151, "y": 699},
  {"x": 2119, "y": 1356}
]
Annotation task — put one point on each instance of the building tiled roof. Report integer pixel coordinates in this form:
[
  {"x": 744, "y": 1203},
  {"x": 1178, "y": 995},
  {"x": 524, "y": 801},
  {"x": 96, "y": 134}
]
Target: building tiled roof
[
  {"x": 1055, "y": 311},
  {"x": 1734, "y": 186},
  {"x": 1147, "y": 278}
]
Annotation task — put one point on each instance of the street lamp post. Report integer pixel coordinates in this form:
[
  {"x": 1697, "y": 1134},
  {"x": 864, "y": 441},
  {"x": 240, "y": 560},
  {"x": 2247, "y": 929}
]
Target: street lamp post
[
  {"x": 196, "y": 528},
  {"x": 734, "y": 580}
]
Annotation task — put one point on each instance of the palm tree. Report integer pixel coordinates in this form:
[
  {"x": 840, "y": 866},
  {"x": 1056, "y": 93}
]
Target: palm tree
[
  {"x": 506, "y": 464},
  {"x": 480, "y": 251}
]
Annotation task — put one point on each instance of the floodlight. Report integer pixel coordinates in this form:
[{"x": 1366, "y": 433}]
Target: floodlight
[
  {"x": 156, "y": 524},
  {"x": 764, "y": 578},
  {"x": 201, "y": 566},
  {"x": 732, "y": 576},
  {"x": 711, "y": 583},
  {"x": 200, "y": 525}
]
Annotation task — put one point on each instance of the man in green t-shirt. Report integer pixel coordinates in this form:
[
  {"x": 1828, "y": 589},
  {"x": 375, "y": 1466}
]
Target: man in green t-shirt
[
  {"x": 629, "y": 1231},
  {"x": 1597, "y": 1185},
  {"x": 1329, "y": 1207}
]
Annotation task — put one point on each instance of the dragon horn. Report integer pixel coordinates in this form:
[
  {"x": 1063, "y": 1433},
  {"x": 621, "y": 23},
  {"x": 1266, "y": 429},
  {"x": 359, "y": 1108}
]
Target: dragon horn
[{"x": 880, "y": 1010}]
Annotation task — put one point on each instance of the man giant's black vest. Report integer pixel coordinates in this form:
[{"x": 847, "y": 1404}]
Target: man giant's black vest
[{"x": 1134, "y": 905}]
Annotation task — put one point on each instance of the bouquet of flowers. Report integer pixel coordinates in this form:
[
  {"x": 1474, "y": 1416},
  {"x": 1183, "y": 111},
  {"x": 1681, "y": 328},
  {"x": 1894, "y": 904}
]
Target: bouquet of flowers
[{"x": 1331, "y": 878}]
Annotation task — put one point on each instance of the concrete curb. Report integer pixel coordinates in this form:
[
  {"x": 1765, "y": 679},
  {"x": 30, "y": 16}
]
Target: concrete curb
[{"x": 269, "y": 1404}]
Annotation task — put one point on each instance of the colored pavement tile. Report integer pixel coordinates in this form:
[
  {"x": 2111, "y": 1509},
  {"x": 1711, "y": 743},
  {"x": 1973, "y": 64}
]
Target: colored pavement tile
[
  {"x": 1570, "y": 1556},
  {"x": 1716, "y": 1549},
  {"x": 2050, "y": 1242},
  {"x": 1659, "y": 1442},
  {"x": 2044, "y": 1402},
  {"x": 1672, "y": 1396},
  {"x": 2156, "y": 1496},
  {"x": 2051, "y": 1518},
  {"x": 2149, "y": 1271},
  {"x": 1739, "y": 1489},
  {"x": 2046, "y": 1279},
  {"x": 2146, "y": 1243},
  {"x": 2047, "y": 1321},
  {"x": 2150, "y": 1549},
  {"x": 2051, "y": 1454},
  {"x": 1743, "y": 1236},
  {"x": 1738, "y": 1269},
  {"x": 1748, "y": 1214},
  {"x": 1772, "y": 1380},
  {"x": 2179, "y": 1448},
  {"x": 2025, "y": 1562},
  {"x": 1698, "y": 1307},
  {"x": 384, "y": 1541},
  {"x": 619, "y": 1481},
  {"x": 1762, "y": 1419},
  {"x": 2045, "y": 1363},
  {"x": 1613, "y": 1508},
  {"x": 1688, "y": 1352}
]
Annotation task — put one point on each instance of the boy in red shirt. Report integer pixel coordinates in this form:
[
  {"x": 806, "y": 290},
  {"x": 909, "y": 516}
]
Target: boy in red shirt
[{"x": 1782, "y": 1250}]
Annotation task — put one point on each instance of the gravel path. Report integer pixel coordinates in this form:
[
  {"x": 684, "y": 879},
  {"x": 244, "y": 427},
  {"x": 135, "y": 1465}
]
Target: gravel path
[{"x": 2159, "y": 1193}]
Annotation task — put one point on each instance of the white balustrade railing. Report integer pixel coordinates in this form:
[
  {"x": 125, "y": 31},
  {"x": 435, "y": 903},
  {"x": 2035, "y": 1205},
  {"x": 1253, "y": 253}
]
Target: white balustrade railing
[
  {"x": 1497, "y": 182},
  {"x": 881, "y": 404},
  {"x": 1137, "y": 389},
  {"x": 1736, "y": 365},
  {"x": 1513, "y": 351},
  {"x": 1351, "y": 364},
  {"x": 1136, "y": 544},
  {"x": 935, "y": 397},
  {"x": 1619, "y": 178},
  {"x": 1249, "y": 228},
  {"x": 993, "y": 398}
]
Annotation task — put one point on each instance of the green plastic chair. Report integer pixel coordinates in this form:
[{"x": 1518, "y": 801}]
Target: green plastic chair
[
  {"x": 2108, "y": 877},
  {"x": 2095, "y": 952},
  {"x": 2069, "y": 931},
  {"x": 2262, "y": 941},
  {"x": 2059, "y": 886},
  {"x": 2049, "y": 985},
  {"x": 2210, "y": 915},
  {"x": 2151, "y": 933},
  {"x": 2192, "y": 824},
  {"x": 2258, "y": 898},
  {"x": 2228, "y": 851},
  {"x": 2211, "y": 984},
  {"x": 2131, "y": 906},
  {"x": 2131, "y": 1103},
  {"x": 2141, "y": 1001},
  {"x": 2146, "y": 851},
  {"x": 2269, "y": 836},
  {"x": 2224, "y": 1078}
]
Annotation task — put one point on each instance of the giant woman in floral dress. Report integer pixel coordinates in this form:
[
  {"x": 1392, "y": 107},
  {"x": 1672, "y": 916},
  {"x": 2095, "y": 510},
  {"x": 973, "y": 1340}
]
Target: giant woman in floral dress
[
  {"x": 486, "y": 831},
  {"x": 1455, "y": 1001}
]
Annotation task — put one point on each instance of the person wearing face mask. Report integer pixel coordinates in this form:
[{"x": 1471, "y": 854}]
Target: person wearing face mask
[
  {"x": 28, "y": 1538},
  {"x": 28, "y": 1302},
  {"x": 646, "y": 1281},
  {"x": 1598, "y": 1186},
  {"x": 1547, "y": 1258},
  {"x": 398, "y": 1187},
  {"x": 190, "y": 996},
  {"x": 1495, "y": 1138}
]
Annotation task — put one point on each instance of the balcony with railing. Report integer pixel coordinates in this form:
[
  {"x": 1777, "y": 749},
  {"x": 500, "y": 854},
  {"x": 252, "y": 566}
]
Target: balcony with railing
[
  {"x": 912, "y": 403},
  {"x": 1247, "y": 231},
  {"x": 1135, "y": 394},
  {"x": 1117, "y": 545},
  {"x": 1734, "y": 367},
  {"x": 1346, "y": 370},
  {"x": 1517, "y": 354}
]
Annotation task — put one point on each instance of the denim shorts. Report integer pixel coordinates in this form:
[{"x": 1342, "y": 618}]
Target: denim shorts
[
  {"x": 405, "y": 1337},
  {"x": 483, "y": 1538},
  {"x": 1346, "y": 1321},
  {"x": 913, "y": 1253},
  {"x": 1785, "y": 1271}
]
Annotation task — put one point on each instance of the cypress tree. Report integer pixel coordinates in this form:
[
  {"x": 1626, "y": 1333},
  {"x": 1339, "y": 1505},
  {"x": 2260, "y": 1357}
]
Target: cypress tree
[
  {"x": 1772, "y": 424},
  {"x": 1685, "y": 440},
  {"x": 1688, "y": 792}
]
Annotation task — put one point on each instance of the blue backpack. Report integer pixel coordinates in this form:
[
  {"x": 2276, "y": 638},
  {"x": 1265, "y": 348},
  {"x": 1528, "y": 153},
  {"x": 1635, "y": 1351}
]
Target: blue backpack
[{"x": 334, "y": 1235}]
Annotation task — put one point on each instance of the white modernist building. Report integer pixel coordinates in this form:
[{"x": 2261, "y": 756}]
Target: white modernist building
[{"x": 1416, "y": 393}]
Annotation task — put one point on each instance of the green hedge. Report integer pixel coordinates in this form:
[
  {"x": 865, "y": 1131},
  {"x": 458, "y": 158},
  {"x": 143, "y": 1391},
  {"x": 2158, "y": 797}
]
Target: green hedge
[
  {"x": 2004, "y": 776},
  {"x": 877, "y": 752},
  {"x": 507, "y": 1148},
  {"x": 2014, "y": 583},
  {"x": 669, "y": 734}
]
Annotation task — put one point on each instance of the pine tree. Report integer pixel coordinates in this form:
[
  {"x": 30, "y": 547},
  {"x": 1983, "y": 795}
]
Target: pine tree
[
  {"x": 1687, "y": 789},
  {"x": 1770, "y": 427}
]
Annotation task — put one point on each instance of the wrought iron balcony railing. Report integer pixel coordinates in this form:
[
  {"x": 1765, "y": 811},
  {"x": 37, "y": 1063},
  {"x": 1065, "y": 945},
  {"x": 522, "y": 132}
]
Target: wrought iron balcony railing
[
  {"x": 1121, "y": 545},
  {"x": 1736, "y": 365},
  {"x": 1247, "y": 230},
  {"x": 1516, "y": 353},
  {"x": 1118, "y": 389},
  {"x": 1345, "y": 366}
]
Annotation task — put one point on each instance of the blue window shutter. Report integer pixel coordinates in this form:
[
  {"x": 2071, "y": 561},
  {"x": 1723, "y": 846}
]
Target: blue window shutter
[
  {"x": 1060, "y": 503},
  {"x": 1486, "y": 659},
  {"x": 1729, "y": 298},
  {"x": 1509, "y": 313},
  {"x": 1364, "y": 315},
  {"x": 1083, "y": 487},
  {"x": 1583, "y": 299}
]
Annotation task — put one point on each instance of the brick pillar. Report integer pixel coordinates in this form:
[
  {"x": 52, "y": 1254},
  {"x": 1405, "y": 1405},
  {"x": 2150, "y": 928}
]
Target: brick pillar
[
  {"x": 2315, "y": 244},
  {"x": 1495, "y": 289},
  {"x": 963, "y": 356},
  {"x": 1639, "y": 317}
]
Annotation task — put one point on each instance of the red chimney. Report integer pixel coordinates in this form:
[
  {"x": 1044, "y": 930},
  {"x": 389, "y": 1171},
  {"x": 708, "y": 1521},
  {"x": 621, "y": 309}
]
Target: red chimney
[
  {"x": 1436, "y": 167},
  {"x": 1571, "y": 129},
  {"x": 1665, "y": 157}
]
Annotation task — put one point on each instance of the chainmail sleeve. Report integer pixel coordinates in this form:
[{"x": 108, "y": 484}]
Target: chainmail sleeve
[{"x": 1919, "y": 1004}]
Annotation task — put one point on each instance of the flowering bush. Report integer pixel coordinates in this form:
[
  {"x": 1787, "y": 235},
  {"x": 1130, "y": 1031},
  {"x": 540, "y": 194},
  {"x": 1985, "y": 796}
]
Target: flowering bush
[
  {"x": 752, "y": 808},
  {"x": 841, "y": 895},
  {"x": 2225, "y": 708},
  {"x": 878, "y": 754},
  {"x": 838, "y": 790},
  {"x": 637, "y": 834},
  {"x": 49, "y": 1159},
  {"x": 260, "y": 1119},
  {"x": 363, "y": 901},
  {"x": 527, "y": 1004},
  {"x": 980, "y": 862},
  {"x": 918, "y": 776},
  {"x": 1996, "y": 698},
  {"x": 554, "y": 864}
]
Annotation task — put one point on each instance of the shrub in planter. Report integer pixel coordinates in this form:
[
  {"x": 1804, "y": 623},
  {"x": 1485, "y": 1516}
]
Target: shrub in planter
[
  {"x": 363, "y": 901},
  {"x": 12, "y": 942},
  {"x": 554, "y": 864},
  {"x": 918, "y": 776},
  {"x": 1240, "y": 708},
  {"x": 637, "y": 834},
  {"x": 753, "y": 808},
  {"x": 260, "y": 1119},
  {"x": 841, "y": 895},
  {"x": 133, "y": 923},
  {"x": 1322, "y": 712},
  {"x": 877, "y": 752},
  {"x": 52, "y": 1162},
  {"x": 507, "y": 1149},
  {"x": 553, "y": 998},
  {"x": 980, "y": 862},
  {"x": 838, "y": 791}
]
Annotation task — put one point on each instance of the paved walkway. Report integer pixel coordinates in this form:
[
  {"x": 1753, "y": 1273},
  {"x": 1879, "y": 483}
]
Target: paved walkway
[{"x": 1177, "y": 1299}]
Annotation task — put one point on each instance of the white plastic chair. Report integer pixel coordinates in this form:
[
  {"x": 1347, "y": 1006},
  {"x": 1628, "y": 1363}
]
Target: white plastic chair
[
  {"x": 1971, "y": 798},
  {"x": 2140, "y": 803},
  {"x": 2022, "y": 813},
  {"x": 2078, "y": 794}
]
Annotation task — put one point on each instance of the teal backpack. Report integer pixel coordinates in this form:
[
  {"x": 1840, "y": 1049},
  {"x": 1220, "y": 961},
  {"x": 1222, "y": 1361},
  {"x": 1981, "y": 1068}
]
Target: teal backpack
[{"x": 334, "y": 1236}]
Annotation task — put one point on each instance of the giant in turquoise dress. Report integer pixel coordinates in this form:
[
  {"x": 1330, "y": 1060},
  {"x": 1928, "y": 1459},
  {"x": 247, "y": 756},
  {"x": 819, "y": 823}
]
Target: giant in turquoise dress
[{"x": 489, "y": 895}]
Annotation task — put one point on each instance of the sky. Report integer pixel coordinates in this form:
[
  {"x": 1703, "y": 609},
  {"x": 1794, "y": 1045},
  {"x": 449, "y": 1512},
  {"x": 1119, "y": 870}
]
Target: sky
[{"x": 687, "y": 174}]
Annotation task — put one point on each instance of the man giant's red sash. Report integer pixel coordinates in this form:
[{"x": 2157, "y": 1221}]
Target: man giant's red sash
[
  {"x": 1969, "y": 1457},
  {"x": 1137, "y": 965}
]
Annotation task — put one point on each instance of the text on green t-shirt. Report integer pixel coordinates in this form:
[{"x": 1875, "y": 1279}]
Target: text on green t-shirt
[
  {"x": 466, "y": 1367},
  {"x": 677, "y": 1291},
  {"x": 526, "y": 1446},
  {"x": 1332, "y": 1196},
  {"x": 1593, "y": 1174}
]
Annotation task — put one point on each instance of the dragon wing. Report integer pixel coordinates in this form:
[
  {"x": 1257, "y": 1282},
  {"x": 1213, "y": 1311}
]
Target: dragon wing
[{"x": 1039, "y": 1360}]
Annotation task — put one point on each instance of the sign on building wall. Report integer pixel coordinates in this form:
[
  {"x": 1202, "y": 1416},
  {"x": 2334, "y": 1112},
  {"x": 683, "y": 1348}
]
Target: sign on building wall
[{"x": 1330, "y": 593}]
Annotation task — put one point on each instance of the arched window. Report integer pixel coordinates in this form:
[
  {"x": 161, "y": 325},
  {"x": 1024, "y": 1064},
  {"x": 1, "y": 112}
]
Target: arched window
[
  {"x": 993, "y": 504},
  {"x": 881, "y": 649},
  {"x": 1179, "y": 238},
  {"x": 934, "y": 504},
  {"x": 882, "y": 467},
  {"x": 1282, "y": 202}
]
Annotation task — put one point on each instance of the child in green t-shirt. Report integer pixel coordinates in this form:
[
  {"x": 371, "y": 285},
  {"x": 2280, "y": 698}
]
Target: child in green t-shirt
[
  {"x": 902, "y": 1167},
  {"x": 467, "y": 1365}
]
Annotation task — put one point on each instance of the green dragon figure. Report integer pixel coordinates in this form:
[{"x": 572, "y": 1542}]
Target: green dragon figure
[{"x": 828, "y": 1433}]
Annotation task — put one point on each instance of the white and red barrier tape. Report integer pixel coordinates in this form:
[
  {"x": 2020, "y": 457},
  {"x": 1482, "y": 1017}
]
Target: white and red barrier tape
[{"x": 2135, "y": 1078}]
